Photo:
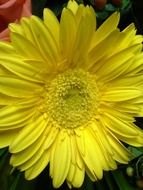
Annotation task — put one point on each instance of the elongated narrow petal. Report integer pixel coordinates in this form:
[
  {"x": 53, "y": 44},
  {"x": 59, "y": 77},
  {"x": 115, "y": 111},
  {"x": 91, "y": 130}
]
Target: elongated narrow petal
[
  {"x": 24, "y": 69},
  {"x": 17, "y": 87},
  {"x": 73, "y": 6},
  {"x": 30, "y": 162},
  {"x": 121, "y": 94},
  {"x": 13, "y": 115},
  {"x": 24, "y": 156},
  {"x": 7, "y": 138},
  {"x": 67, "y": 28},
  {"x": 21, "y": 49},
  {"x": 94, "y": 166},
  {"x": 27, "y": 137},
  {"x": 121, "y": 154},
  {"x": 52, "y": 24},
  {"x": 60, "y": 168},
  {"x": 47, "y": 45},
  {"x": 106, "y": 28},
  {"x": 34, "y": 171}
]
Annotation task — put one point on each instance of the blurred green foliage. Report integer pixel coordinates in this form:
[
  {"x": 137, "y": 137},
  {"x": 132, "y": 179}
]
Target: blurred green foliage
[{"x": 12, "y": 179}]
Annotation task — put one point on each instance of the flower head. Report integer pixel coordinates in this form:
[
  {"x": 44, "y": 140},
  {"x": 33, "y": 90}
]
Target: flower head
[
  {"x": 12, "y": 11},
  {"x": 69, "y": 94}
]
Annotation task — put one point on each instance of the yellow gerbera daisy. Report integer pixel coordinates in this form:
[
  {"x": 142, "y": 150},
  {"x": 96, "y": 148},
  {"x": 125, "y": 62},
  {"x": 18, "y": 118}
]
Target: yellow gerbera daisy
[{"x": 69, "y": 93}]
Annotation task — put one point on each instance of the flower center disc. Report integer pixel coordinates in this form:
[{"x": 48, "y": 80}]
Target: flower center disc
[{"x": 72, "y": 98}]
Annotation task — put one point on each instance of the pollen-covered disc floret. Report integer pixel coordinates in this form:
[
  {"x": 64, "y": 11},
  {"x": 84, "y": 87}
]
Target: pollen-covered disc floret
[
  {"x": 69, "y": 94},
  {"x": 72, "y": 98}
]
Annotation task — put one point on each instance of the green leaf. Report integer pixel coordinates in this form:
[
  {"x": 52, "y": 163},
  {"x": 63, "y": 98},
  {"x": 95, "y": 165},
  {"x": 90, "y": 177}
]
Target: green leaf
[
  {"x": 15, "y": 182},
  {"x": 3, "y": 151},
  {"x": 102, "y": 15},
  {"x": 88, "y": 184},
  {"x": 136, "y": 151},
  {"x": 81, "y": 1},
  {"x": 91, "y": 1},
  {"x": 126, "y": 3},
  {"x": 121, "y": 180},
  {"x": 110, "y": 7},
  {"x": 110, "y": 181}
]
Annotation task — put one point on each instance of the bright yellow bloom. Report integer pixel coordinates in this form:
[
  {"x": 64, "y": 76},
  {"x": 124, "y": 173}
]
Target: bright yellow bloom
[{"x": 69, "y": 93}]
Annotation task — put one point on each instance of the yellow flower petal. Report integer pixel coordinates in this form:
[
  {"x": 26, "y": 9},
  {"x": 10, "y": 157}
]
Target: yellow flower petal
[
  {"x": 47, "y": 46},
  {"x": 84, "y": 35},
  {"x": 33, "y": 53},
  {"x": 7, "y": 138},
  {"x": 106, "y": 28},
  {"x": 52, "y": 24},
  {"x": 134, "y": 141},
  {"x": 116, "y": 65},
  {"x": 28, "y": 135},
  {"x": 52, "y": 133},
  {"x": 34, "y": 160},
  {"x": 60, "y": 168},
  {"x": 11, "y": 116},
  {"x": 6, "y": 100},
  {"x": 24, "y": 69},
  {"x": 17, "y": 87},
  {"x": 121, "y": 94},
  {"x": 78, "y": 177},
  {"x": 6, "y": 48},
  {"x": 121, "y": 154},
  {"x": 120, "y": 127},
  {"x": 67, "y": 28},
  {"x": 94, "y": 165},
  {"x": 73, "y": 6},
  {"x": 36, "y": 169},
  {"x": 25, "y": 155},
  {"x": 96, "y": 56}
]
